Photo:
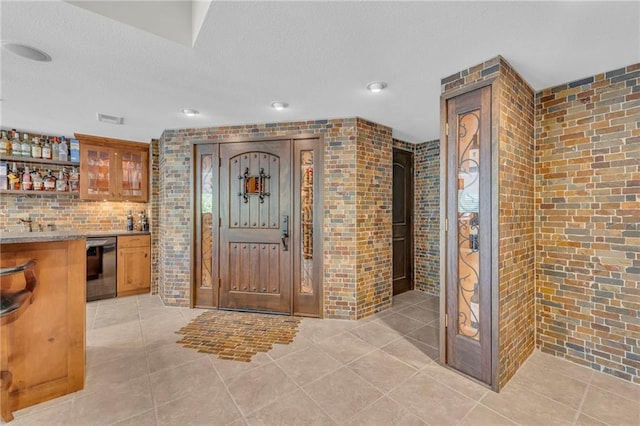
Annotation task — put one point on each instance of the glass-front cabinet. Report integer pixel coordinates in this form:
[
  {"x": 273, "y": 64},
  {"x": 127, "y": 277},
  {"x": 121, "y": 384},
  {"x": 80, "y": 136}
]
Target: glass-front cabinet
[{"x": 113, "y": 171}]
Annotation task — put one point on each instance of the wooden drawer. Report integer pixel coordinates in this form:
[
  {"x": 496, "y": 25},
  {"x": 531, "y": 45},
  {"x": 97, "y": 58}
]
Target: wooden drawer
[{"x": 127, "y": 241}]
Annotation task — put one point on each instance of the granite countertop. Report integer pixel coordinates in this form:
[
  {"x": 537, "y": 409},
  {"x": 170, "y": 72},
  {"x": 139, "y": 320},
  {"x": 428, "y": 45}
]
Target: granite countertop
[{"x": 41, "y": 237}]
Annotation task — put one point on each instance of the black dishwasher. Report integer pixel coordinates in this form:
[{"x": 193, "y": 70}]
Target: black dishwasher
[{"x": 101, "y": 268}]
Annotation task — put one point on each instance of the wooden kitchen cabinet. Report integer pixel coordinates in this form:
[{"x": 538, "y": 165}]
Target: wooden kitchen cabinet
[
  {"x": 133, "y": 265},
  {"x": 113, "y": 169}
]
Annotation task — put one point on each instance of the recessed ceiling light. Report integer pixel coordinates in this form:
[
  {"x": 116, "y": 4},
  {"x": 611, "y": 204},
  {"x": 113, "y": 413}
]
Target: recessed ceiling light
[
  {"x": 376, "y": 86},
  {"x": 190, "y": 112},
  {"x": 111, "y": 119},
  {"x": 279, "y": 105},
  {"x": 27, "y": 52}
]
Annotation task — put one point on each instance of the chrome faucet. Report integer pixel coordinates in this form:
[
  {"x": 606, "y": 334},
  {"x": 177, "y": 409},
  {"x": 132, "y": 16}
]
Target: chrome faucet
[{"x": 27, "y": 220}]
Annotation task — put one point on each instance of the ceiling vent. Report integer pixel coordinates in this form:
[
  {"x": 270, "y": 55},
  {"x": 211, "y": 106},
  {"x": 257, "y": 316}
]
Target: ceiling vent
[{"x": 111, "y": 119}]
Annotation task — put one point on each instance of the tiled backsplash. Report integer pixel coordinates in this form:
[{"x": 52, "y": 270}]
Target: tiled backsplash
[{"x": 66, "y": 212}]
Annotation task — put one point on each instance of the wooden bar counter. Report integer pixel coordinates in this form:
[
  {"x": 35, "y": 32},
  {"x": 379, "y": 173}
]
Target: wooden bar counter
[{"x": 44, "y": 349}]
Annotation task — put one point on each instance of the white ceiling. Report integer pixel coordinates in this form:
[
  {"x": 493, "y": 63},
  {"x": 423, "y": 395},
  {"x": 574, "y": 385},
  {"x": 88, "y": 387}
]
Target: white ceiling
[{"x": 317, "y": 56}]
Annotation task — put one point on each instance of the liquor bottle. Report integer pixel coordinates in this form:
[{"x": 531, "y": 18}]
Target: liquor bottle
[
  {"x": 49, "y": 181},
  {"x": 5, "y": 145},
  {"x": 144, "y": 222},
  {"x": 16, "y": 146},
  {"x": 74, "y": 180},
  {"x": 36, "y": 148},
  {"x": 27, "y": 183},
  {"x": 14, "y": 177},
  {"x": 25, "y": 146},
  {"x": 61, "y": 183},
  {"x": 38, "y": 181},
  {"x": 55, "y": 149},
  {"x": 63, "y": 150},
  {"x": 46, "y": 150},
  {"x": 130, "y": 221}
]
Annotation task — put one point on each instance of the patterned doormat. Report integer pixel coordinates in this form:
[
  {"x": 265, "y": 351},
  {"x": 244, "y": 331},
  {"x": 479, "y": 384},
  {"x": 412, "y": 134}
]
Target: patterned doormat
[{"x": 237, "y": 335}]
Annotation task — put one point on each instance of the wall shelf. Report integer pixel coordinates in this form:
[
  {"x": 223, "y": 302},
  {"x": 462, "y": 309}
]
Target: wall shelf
[
  {"x": 31, "y": 160},
  {"x": 51, "y": 193}
]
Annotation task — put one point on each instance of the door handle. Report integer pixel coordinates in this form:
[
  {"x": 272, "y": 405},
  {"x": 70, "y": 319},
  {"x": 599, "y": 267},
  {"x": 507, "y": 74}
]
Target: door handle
[{"x": 285, "y": 232}]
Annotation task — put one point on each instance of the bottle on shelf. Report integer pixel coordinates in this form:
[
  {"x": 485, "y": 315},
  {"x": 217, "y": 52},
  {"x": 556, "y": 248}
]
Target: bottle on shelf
[
  {"x": 55, "y": 149},
  {"x": 130, "y": 221},
  {"x": 25, "y": 146},
  {"x": 61, "y": 182},
  {"x": 14, "y": 177},
  {"x": 74, "y": 180},
  {"x": 63, "y": 150},
  {"x": 49, "y": 181},
  {"x": 38, "y": 181},
  {"x": 27, "y": 183},
  {"x": 16, "y": 146},
  {"x": 46, "y": 150},
  {"x": 144, "y": 221},
  {"x": 5, "y": 144},
  {"x": 36, "y": 148}
]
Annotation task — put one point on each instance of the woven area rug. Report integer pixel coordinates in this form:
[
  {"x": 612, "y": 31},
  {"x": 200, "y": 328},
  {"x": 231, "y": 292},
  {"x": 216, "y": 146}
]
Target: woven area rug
[{"x": 237, "y": 335}]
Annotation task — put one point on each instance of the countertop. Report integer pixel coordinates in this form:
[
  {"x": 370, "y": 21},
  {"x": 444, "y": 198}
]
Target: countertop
[{"x": 41, "y": 237}]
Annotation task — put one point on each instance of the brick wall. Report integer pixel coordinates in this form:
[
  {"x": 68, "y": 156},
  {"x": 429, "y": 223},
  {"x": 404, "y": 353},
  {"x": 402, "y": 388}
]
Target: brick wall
[
  {"x": 154, "y": 216},
  {"x": 426, "y": 229},
  {"x": 341, "y": 232},
  {"x": 515, "y": 196},
  {"x": 373, "y": 217},
  {"x": 588, "y": 221},
  {"x": 516, "y": 218}
]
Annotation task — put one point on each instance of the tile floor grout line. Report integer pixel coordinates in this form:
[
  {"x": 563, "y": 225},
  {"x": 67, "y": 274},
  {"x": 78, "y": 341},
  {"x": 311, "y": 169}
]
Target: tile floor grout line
[
  {"x": 309, "y": 395},
  {"x": 404, "y": 338},
  {"x": 154, "y": 406},
  {"x": 584, "y": 397},
  {"x": 226, "y": 388}
]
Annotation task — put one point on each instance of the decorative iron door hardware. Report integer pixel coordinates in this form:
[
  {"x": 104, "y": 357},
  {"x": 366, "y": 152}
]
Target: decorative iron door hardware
[{"x": 254, "y": 185}]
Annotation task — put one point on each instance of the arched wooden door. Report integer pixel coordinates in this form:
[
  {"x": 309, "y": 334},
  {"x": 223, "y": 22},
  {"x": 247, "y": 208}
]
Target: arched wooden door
[{"x": 255, "y": 214}]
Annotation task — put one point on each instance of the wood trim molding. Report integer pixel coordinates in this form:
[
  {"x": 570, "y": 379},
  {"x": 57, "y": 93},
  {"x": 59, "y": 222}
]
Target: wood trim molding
[{"x": 111, "y": 142}]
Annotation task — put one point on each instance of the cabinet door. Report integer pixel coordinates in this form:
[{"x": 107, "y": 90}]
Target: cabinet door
[
  {"x": 469, "y": 245},
  {"x": 132, "y": 182},
  {"x": 97, "y": 172},
  {"x": 134, "y": 270}
]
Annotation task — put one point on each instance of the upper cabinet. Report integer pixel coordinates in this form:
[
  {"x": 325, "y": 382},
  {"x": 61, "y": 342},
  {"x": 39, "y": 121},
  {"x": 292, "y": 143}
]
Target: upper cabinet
[{"x": 113, "y": 169}]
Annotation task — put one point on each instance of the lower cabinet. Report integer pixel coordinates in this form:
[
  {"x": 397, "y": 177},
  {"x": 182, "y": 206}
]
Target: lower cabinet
[{"x": 134, "y": 264}]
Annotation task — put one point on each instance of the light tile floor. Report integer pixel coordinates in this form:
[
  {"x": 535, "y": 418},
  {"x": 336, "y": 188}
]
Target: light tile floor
[{"x": 376, "y": 371}]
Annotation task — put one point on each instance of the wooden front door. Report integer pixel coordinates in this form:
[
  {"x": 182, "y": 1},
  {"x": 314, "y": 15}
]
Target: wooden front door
[
  {"x": 255, "y": 226},
  {"x": 469, "y": 248},
  {"x": 402, "y": 217}
]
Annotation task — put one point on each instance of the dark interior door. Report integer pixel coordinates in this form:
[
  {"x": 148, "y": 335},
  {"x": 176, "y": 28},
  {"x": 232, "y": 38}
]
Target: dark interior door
[
  {"x": 255, "y": 216},
  {"x": 402, "y": 217},
  {"x": 468, "y": 284}
]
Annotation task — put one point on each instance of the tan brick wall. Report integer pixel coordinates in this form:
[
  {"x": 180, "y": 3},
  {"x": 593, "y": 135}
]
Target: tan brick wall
[
  {"x": 516, "y": 217},
  {"x": 588, "y": 221},
  {"x": 427, "y": 216},
  {"x": 373, "y": 217}
]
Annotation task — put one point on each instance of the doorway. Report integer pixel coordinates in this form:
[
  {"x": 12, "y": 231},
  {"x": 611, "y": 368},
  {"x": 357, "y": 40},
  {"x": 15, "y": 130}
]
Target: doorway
[
  {"x": 468, "y": 234},
  {"x": 402, "y": 218},
  {"x": 257, "y": 239}
]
